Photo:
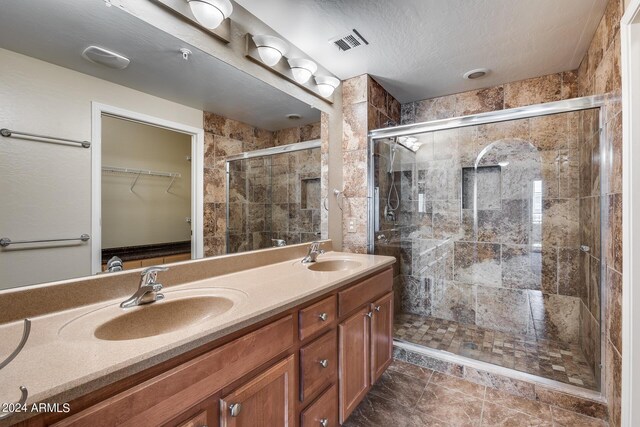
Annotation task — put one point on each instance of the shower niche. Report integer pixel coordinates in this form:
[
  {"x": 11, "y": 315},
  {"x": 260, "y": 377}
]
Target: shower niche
[{"x": 487, "y": 228}]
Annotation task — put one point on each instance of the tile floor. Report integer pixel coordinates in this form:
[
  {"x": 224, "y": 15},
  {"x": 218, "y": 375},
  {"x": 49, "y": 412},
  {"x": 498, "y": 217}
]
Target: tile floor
[
  {"x": 410, "y": 396},
  {"x": 545, "y": 358}
]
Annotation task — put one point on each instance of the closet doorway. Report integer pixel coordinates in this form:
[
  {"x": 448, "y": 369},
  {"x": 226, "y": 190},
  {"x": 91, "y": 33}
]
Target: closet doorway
[{"x": 147, "y": 190}]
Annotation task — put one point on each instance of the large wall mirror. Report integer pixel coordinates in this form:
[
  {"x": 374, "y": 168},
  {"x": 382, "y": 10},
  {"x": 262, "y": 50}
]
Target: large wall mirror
[{"x": 161, "y": 155}]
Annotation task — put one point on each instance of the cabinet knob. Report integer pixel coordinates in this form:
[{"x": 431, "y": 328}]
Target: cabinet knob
[
  {"x": 323, "y": 317},
  {"x": 324, "y": 422},
  {"x": 378, "y": 308},
  {"x": 234, "y": 409},
  {"x": 369, "y": 314},
  {"x": 324, "y": 363}
]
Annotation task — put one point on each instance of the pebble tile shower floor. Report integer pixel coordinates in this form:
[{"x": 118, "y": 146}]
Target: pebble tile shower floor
[{"x": 549, "y": 359}]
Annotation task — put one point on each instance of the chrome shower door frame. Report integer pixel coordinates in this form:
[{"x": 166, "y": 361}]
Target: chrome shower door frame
[{"x": 558, "y": 107}]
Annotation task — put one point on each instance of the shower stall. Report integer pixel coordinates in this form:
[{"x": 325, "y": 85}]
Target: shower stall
[
  {"x": 494, "y": 220},
  {"x": 273, "y": 197}
]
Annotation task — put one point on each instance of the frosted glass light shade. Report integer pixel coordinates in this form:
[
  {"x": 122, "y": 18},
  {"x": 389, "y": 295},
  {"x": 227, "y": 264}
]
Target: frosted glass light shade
[
  {"x": 271, "y": 49},
  {"x": 326, "y": 85},
  {"x": 211, "y": 13},
  {"x": 302, "y": 69}
]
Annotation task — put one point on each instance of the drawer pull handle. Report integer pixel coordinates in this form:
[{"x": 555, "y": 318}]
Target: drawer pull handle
[
  {"x": 378, "y": 308},
  {"x": 324, "y": 422},
  {"x": 234, "y": 409},
  {"x": 369, "y": 315},
  {"x": 323, "y": 317},
  {"x": 324, "y": 363}
]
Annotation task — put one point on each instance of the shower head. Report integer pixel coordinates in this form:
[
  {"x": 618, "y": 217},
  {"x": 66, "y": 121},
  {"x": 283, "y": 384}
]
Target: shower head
[{"x": 409, "y": 142}]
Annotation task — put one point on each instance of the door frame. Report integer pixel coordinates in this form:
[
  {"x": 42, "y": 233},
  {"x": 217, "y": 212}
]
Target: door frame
[
  {"x": 197, "y": 175},
  {"x": 630, "y": 35}
]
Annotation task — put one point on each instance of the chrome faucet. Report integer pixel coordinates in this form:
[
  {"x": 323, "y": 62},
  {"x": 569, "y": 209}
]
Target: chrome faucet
[
  {"x": 278, "y": 243},
  {"x": 149, "y": 290},
  {"x": 314, "y": 251},
  {"x": 114, "y": 264}
]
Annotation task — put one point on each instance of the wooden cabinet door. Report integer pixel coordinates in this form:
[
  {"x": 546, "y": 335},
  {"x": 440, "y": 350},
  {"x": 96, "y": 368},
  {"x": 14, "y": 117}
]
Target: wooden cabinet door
[
  {"x": 355, "y": 363},
  {"x": 265, "y": 401},
  {"x": 381, "y": 336},
  {"x": 205, "y": 414}
]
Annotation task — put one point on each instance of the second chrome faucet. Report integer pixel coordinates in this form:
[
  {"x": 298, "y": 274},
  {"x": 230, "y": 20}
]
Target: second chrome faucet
[
  {"x": 149, "y": 289},
  {"x": 312, "y": 255}
]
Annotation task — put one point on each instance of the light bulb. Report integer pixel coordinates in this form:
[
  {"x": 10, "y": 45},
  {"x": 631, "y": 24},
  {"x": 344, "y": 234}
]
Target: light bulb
[
  {"x": 301, "y": 75},
  {"x": 269, "y": 55},
  {"x": 271, "y": 49},
  {"x": 326, "y": 85},
  {"x": 302, "y": 69},
  {"x": 211, "y": 13}
]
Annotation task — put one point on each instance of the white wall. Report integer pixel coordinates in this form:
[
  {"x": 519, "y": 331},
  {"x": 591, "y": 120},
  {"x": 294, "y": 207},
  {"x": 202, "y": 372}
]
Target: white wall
[
  {"x": 45, "y": 189},
  {"x": 148, "y": 214}
]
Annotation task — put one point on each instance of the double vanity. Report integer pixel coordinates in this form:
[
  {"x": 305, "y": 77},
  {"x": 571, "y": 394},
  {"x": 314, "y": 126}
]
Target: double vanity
[{"x": 255, "y": 339}]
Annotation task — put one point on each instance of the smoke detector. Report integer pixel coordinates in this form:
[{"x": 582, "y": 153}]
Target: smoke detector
[
  {"x": 105, "y": 57},
  {"x": 349, "y": 41}
]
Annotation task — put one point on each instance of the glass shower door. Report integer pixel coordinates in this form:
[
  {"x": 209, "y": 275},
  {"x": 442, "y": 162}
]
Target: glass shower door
[{"x": 487, "y": 223}]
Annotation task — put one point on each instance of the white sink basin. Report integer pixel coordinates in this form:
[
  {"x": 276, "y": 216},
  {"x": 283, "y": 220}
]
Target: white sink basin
[{"x": 179, "y": 311}]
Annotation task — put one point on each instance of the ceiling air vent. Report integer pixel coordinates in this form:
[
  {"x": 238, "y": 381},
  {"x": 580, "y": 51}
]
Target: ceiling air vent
[{"x": 349, "y": 41}]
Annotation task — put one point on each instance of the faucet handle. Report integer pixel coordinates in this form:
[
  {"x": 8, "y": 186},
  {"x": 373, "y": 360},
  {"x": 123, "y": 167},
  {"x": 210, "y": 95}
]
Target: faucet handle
[
  {"x": 315, "y": 247},
  {"x": 149, "y": 275}
]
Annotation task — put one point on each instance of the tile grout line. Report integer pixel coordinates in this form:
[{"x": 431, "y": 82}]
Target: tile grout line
[{"x": 483, "y": 402}]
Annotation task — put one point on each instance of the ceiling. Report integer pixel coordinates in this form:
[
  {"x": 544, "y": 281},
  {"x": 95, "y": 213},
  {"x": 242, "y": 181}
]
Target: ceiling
[
  {"x": 57, "y": 31},
  {"x": 420, "y": 49}
]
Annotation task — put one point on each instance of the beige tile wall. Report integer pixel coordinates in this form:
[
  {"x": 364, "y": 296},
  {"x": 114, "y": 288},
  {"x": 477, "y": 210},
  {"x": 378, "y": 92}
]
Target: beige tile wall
[
  {"x": 600, "y": 73},
  {"x": 366, "y": 106}
]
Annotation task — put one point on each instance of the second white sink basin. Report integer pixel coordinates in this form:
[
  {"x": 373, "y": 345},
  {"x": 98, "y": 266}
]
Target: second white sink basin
[{"x": 331, "y": 265}]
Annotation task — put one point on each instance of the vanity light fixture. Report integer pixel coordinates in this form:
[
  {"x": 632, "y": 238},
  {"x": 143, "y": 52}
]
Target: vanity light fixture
[
  {"x": 210, "y": 13},
  {"x": 271, "y": 49},
  {"x": 326, "y": 85},
  {"x": 302, "y": 69}
]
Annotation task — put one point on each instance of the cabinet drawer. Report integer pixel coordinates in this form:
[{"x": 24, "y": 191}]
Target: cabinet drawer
[
  {"x": 316, "y": 317},
  {"x": 200, "y": 420},
  {"x": 158, "y": 400},
  {"x": 364, "y": 292},
  {"x": 325, "y": 408},
  {"x": 151, "y": 261},
  {"x": 176, "y": 258},
  {"x": 318, "y": 365}
]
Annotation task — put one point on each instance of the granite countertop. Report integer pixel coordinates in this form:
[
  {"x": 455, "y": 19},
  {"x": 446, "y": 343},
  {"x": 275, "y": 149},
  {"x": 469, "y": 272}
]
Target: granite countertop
[
  {"x": 63, "y": 360},
  {"x": 134, "y": 253}
]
